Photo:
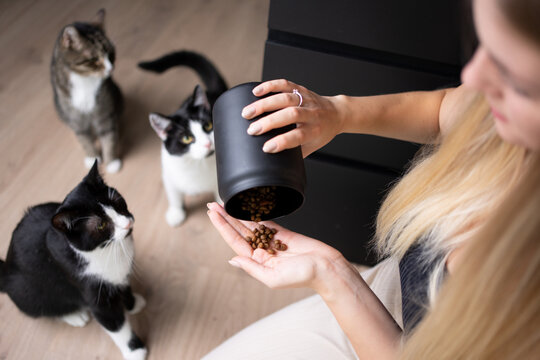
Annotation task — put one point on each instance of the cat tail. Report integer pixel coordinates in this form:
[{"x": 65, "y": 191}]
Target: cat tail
[
  {"x": 2, "y": 271},
  {"x": 209, "y": 74}
]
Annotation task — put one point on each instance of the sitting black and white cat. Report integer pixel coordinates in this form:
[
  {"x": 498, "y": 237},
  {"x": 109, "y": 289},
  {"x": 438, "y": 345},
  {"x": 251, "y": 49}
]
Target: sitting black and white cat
[
  {"x": 187, "y": 152},
  {"x": 74, "y": 259}
]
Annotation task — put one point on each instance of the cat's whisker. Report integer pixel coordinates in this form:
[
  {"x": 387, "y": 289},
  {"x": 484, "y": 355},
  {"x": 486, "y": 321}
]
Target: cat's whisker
[{"x": 135, "y": 269}]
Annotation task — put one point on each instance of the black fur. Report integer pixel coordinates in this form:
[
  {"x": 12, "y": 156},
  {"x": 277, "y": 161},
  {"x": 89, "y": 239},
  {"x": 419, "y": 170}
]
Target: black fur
[
  {"x": 2, "y": 276},
  {"x": 212, "y": 79},
  {"x": 198, "y": 107},
  {"x": 43, "y": 274}
]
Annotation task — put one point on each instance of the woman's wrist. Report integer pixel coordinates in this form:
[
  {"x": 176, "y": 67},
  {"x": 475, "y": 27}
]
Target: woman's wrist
[
  {"x": 341, "y": 105},
  {"x": 335, "y": 276}
]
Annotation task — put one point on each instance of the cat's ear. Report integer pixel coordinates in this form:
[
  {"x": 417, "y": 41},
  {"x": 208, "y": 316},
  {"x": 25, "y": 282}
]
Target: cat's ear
[
  {"x": 99, "y": 19},
  {"x": 71, "y": 38},
  {"x": 62, "y": 221},
  {"x": 93, "y": 176},
  {"x": 160, "y": 124},
  {"x": 200, "y": 98}
]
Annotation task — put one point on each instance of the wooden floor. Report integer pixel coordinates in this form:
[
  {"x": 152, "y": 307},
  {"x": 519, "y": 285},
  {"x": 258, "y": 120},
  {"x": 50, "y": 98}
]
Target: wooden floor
[{"x": 195, "y": 298}]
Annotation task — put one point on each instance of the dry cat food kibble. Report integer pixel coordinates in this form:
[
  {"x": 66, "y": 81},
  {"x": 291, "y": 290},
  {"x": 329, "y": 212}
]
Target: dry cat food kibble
[
  {"x": 262, "y": 237},
  {"x": 258, "y": 201}
]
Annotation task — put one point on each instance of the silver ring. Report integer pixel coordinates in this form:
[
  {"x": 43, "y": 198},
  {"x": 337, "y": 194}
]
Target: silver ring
[{"x": 296, "y": 92}]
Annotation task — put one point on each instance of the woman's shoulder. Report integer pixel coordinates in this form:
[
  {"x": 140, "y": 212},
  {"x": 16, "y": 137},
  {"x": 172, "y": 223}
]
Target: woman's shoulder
[{"x": 455, "y": 104}]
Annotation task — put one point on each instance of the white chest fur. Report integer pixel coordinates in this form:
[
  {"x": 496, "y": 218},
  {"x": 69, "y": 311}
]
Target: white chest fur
[
  {"x": 188, "y": 175},
  {"x": 112, "y": 263},
  {"x": 84, "y": 90}
]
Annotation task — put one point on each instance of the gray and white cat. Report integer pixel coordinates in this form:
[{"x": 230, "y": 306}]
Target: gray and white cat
[
  {"x": 85, "y": 95},
  {"x": 187, "y": 151}
]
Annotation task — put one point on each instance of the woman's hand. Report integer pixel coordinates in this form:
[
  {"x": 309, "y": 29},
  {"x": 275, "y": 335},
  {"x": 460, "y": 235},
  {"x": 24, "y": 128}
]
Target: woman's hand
[
  {"x": 306, "y": 262},
  {"x": 318, "y": 120}
]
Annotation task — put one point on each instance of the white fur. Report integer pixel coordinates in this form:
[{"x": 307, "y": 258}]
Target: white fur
[
  {"x": 89, "y": 161},
  {"x": 121, "y": 339},
  {"x": 140, "y": 303},
  {"x": 189, "y": 174},
  {"x": 108, "y": 68},
  {"x": 83, "y": 91},
  {"x": 112, "y": 263},
  {"x": 77, "y": 319},
  {"x": 114, "y": 166}
]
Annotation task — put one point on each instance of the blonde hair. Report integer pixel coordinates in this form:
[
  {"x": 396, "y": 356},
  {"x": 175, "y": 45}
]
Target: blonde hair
[
  {"x": 490, "y": 307},
  {"x": 449, "y": 190}
]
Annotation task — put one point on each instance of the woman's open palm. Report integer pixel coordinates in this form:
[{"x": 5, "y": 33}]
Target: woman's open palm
[{"x": 298, "y": 266}]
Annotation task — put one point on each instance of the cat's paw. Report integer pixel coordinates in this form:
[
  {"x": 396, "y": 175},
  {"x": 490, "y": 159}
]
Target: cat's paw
[
  {"x": 137, "y": 354},
  {"x": 175, "y": 216},
  {"x": 89, "y": 161},
  {"x": 114, "y": 166},
  {"x": 140, "y": 303},
  {"x": 77, "y": 319}
]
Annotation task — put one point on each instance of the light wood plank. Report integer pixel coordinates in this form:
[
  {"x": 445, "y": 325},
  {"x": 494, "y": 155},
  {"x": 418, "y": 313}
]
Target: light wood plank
[{"x": 195, "y": 298}]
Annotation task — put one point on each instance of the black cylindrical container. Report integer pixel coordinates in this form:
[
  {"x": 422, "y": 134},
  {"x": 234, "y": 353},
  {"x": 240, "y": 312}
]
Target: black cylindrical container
[{"x": 242, "y": 166}]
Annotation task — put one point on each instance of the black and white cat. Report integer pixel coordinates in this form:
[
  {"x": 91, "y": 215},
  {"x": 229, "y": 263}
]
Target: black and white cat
[
  {"x": 74, "y": 259},
  {"x": 85, "y": 96},
  {"x": 187, "y": 152}
]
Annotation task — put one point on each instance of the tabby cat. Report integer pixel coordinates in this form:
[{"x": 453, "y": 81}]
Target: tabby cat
[
  {"x": 73, "y": 259},
  {"x": 187, "y": 151},
  {"x": 85, "y": 95}
]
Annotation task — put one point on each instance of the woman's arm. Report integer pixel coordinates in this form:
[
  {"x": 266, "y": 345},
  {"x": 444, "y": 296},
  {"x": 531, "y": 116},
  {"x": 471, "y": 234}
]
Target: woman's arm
[
  {"x": 411, "y": 116},
  {"x": 310, "y": 263},
  {"x": 369, "y": 327}
]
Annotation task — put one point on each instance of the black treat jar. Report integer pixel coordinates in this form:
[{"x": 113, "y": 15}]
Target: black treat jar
[{"x": 242, "y": 165}]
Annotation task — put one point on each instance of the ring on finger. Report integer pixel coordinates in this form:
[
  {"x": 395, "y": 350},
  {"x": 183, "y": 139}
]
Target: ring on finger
[{"x": 296, "y": 92}]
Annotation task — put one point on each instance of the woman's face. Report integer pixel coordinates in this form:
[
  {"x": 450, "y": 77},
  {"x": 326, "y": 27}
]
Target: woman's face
[{"x": 506, "y": 68}]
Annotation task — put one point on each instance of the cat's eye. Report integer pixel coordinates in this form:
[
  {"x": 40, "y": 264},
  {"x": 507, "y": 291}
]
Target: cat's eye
[
  {"x": 91, "y": 62},
  {"x": 102, "y": 225},
  {"x": 186, "y": 139},
  {"x": 208, "y": 126}
]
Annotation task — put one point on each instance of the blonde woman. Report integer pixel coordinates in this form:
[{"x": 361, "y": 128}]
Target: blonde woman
[
  {"x": 489, "y": 308},
  {"x": 481, "y": 138}
]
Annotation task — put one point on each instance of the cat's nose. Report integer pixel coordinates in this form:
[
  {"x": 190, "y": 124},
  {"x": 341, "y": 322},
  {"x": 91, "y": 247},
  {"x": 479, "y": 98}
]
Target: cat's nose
[
  {"x": 128, "y": 224},
  {"x": 208, "y": 145}
]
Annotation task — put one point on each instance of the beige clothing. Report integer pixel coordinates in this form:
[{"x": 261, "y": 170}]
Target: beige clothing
[{"x": 307, "y": 329}]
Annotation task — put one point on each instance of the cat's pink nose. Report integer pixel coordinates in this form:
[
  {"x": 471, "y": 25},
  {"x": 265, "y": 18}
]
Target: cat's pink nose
[
  {"x": 129, "y": 224},
  {"x": 208, "y": 145}
]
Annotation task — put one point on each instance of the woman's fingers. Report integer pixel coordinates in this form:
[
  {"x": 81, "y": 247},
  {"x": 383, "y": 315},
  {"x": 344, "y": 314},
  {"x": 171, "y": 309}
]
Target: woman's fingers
[
  {"x": 278, "y": 119},
  {"x": 270, "y": 103},
  {"x": 288, "y": 140},
  {"x": 241, "y": 227},
  {"x": 279, "y": 85},
  {"x": 231, "y": 230}
]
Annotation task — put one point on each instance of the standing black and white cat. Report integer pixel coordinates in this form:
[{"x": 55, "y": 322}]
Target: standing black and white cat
[
  {"x": 85, "y": 95},
  {"x": 187, "y": 152},
  {"x": 74, "y": 259}
]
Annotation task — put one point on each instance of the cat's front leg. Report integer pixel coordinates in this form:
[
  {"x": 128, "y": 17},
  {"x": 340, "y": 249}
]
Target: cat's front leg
[
  {"x": 134, "y": 303},
  {"x": 116, "y": 324},
  {"x": 109, "y": 144},
  {"x": 78, "y": 319},
  {"x": 91, "y": 153},
  {"x": 175, "y": 213}
]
